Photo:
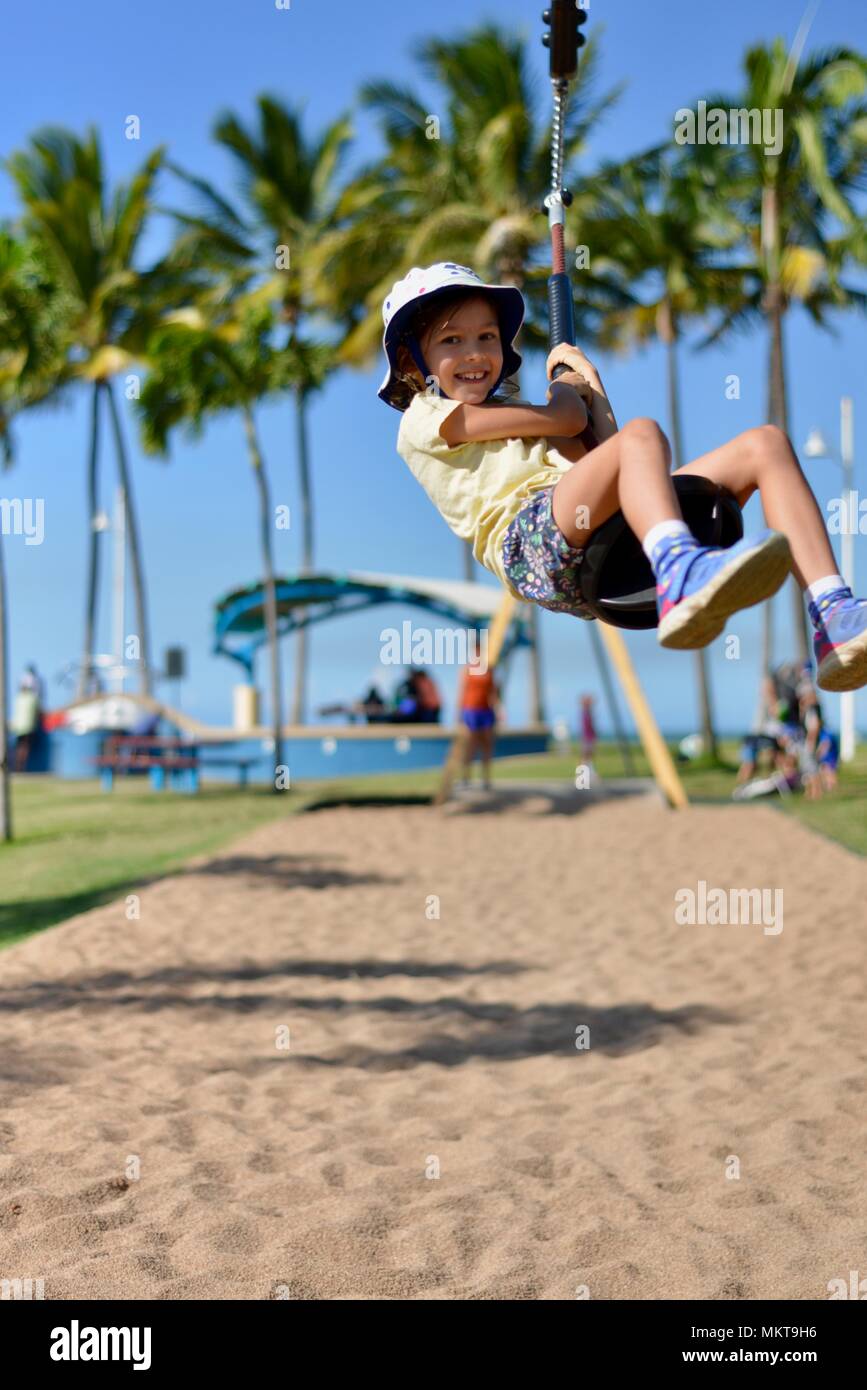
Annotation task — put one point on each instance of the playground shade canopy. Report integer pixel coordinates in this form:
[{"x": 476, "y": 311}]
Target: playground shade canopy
[{"x": 240, "y": 626}]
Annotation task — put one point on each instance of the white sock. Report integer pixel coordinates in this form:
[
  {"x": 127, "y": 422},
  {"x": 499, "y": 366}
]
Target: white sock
[
  {"x": 824, "y": 586},
  {"x": 658, "y": 533}
]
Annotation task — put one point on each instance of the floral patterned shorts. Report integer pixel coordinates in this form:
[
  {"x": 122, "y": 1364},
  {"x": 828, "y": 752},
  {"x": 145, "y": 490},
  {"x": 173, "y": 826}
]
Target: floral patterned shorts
[{"x": 540, "y": 562}]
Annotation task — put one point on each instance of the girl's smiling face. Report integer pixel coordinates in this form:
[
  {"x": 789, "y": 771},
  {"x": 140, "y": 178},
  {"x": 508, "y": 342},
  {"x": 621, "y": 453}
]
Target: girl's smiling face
[{"x": 464, "y": 351}]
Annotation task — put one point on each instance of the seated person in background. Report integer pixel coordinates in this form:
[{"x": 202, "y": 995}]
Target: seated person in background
[
  {"x": 785, "y": 779},
  {"x": 821, "y": 750},
  {"x": 405, "y": 702},
  {"x": 374, "y": 707},
  {"x": 769, "y": 734},
  {"x": 428, "y": 697},
  {"x": 417, "y": 699},
  {"x": 828, "y": 753}
]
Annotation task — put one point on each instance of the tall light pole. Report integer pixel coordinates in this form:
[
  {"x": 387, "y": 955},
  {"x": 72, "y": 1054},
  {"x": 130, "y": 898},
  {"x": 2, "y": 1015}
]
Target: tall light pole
[
  {"x": 119, "y": 587},
  {"x": 816, "y": 447}
]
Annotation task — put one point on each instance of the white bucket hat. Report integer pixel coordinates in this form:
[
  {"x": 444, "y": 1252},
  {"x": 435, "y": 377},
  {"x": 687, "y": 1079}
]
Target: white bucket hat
[{"x": 440, "y": 279}]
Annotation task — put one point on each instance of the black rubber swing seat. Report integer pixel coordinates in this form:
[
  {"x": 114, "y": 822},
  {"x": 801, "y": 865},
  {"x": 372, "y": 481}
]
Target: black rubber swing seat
[{"x": 616, "y": 580}]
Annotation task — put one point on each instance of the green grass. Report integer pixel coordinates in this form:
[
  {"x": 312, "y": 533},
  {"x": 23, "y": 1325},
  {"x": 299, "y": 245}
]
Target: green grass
[
  {"x": 77, "y": 847},
  {"x": 843, "y": 816}
]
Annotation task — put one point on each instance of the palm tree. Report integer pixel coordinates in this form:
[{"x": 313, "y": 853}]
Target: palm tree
[
  {"x": 204, "y": 360},
  {"x": 91, "y": 236},
  {"x": 473, "y": 193},
  {"x": 31, "y": 365},
  {"x": 651, "y": 222},
  {"x": 5, "y": 799},
  {"x": 786, "y": 199},
  {"x": 289, "y": 192}
]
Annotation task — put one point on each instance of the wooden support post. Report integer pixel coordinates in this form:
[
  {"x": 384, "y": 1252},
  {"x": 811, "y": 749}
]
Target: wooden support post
[
  {"x": 654, "y": 745},
  {"x": 498, "y": 629}
]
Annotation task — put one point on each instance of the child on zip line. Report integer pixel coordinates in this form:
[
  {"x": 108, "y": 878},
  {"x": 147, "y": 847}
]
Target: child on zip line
[{"x": 514, "y": 480}]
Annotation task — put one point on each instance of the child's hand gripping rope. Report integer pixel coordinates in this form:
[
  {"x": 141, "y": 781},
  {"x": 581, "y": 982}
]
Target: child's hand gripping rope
[{"x": 580, "y": 375}]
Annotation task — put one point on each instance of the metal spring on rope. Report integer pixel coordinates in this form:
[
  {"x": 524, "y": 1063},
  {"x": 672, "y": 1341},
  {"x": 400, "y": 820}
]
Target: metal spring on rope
[{"x": 558, "y": 133}]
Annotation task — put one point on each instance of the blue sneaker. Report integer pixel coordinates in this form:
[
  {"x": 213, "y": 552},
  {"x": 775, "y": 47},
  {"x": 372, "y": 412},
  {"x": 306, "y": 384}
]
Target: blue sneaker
[
  {"x": 840, "y": 642},
  {"x": 697, "y": 588}
]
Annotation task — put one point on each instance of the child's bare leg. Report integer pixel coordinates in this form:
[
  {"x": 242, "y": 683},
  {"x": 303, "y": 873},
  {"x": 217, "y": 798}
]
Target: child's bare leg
[
  {"x": 469, "y": 750},
  {"x": 486, "y": 740},
  {"x": 697, "y": 588},
  {"x": 629, "y": 471},
  {"x": 763, "y": 459}
]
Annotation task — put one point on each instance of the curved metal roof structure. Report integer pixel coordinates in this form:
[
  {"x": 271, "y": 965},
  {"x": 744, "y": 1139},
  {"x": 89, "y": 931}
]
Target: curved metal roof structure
[{"x": 239, "y": 622}]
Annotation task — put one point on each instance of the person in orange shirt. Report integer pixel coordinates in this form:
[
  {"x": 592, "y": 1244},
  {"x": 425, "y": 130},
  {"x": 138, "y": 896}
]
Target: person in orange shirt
[{"x": 478, "y": 700}]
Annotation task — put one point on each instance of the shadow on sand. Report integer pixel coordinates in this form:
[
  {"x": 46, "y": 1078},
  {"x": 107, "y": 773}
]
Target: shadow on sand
[{"x": 493, "y": 1031}]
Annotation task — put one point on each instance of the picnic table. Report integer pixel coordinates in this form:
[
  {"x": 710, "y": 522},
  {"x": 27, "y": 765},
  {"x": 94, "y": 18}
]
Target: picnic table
[
  {"x": 176, "y": 762},
  {"x": 157, "y": 754}
]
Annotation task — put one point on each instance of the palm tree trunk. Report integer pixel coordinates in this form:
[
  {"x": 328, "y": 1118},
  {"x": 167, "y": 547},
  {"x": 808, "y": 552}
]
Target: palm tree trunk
[
  {"x": 778, "y": 414},
  {"x": 668, "y": 333},
  {"x": 265, "y": 523},
  {"x": 669, "y": 337},
  {"x": 84, "y": 674},
  {"x": 5, "y": 799},
  {"x": 778, "y": 408},
  {"x": 708, "y": 730},
  {"x": 134, "y": 548},
  {"x": 299, "y": 692}
]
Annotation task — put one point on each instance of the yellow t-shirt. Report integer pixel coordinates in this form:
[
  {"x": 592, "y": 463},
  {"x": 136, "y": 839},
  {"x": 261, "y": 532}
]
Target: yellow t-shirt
[{"x": 478, "y": 487}]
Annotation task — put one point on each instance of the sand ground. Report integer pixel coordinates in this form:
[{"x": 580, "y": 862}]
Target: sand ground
[{"x": 159, "y": 1139}]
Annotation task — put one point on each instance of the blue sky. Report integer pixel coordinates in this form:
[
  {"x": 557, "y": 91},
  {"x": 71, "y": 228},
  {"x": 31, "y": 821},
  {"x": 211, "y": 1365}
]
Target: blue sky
[{"x": 176, "y": 66}]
